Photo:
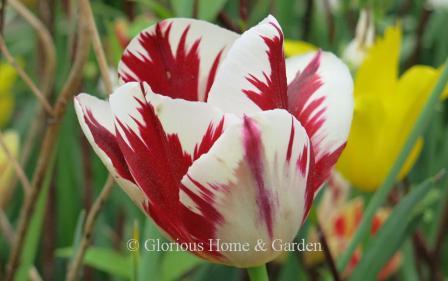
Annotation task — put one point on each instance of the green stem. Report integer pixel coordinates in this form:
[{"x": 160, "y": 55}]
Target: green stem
[
  {"x": 380, "y": 196},
  {"x": 258, "y": 273}
]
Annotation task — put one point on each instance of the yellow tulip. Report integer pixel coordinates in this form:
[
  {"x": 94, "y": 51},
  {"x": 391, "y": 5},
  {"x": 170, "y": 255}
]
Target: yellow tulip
[
  {"x": 386, "y": 108},
  {"x": 8, "y": 77},
  {"x": 295, "y": 48},
  {"x": 11, "y": 139}
]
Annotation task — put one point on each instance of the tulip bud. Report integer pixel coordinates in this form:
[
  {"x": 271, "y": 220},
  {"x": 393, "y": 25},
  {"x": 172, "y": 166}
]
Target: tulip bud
[{"x": 356, "y": 50}]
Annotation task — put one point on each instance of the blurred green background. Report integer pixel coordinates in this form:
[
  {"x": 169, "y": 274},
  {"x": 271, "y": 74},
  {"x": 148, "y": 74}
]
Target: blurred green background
[{"x": 79, "y": 175}]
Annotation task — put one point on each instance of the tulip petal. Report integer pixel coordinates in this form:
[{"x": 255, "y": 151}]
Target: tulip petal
[
  {"x": 252, "y": 77},
  {"x": 254, "y": 179},
  {"x": 160, "y": 138},
  {"x": 96, "y": 121},
  {"x": 320, "y": 96},
  {"x": 176, "y": 57}
]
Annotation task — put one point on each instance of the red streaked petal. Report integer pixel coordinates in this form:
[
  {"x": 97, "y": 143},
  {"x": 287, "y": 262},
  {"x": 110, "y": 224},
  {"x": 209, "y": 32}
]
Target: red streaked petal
[
  {"x": 176, "y": 57},
  {"x": 96, "y": 121},
  {"x": 320, "y": 96},
  {"x": 255, "y": 67},
  {"x": 197, "y": 125},
  {"x": 160, "y": 138},
  {"x": 248, "y": 179}
]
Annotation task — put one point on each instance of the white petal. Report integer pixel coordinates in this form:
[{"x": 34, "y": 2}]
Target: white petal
[
  {"x": 252, "y": 76},
  {"x": 187, "y": 72},
  {"x": 255, "y": 176},
  {"x": 320, "y": 95},
  {"x": 96, "y": 122}
]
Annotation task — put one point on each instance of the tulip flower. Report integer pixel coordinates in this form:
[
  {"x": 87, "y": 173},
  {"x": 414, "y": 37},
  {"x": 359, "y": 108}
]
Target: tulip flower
[
  {"x": 217, "y": 138},
  {"x": 11, "y": 140},
  {"x": 339, "y": 217},
  {"x": 386, "y": 108},
  {"x": 8, "y": 75}
]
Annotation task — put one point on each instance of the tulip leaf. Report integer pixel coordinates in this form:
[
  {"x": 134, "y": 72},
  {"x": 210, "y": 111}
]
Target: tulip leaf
[
  {"x": 208, "y": 10},
  {"x": 403, "y": 219},
  {"x": 182, "y": 8},
  {"x": 150, "y": 261},
  {"x": 175, "y": 264},
  {"x": 292, "y": 270},
  {"x": 157, "y": 8},
  {"x": 408, "y": 268},
  {"x": 69, "y": 178},
  {"x": 103, "y": 259},
  {"x": 217, "y": 273},
  {"x": 33, "y": 236}
]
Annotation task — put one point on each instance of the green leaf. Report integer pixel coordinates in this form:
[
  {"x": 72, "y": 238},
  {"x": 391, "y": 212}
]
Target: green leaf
[
  {"x": 259, "y": 11},
  {"x": 208, "y": 10},
  {"x": 103, "y": 259},
  {"x": 157, "y": 8},
  {"x": 292, "y": 270},
  {"x": 183, "y": 8},
  {"x": 216, "y": 272},
  {"x": 176, "y": 264},
  {"x": 408, "y": 268},
  {"x": 390, "y": 236},
  {"x": 69, "y": 176},
  {"x": 150, "y": 260},
  {"x": 33, "y": 236}
]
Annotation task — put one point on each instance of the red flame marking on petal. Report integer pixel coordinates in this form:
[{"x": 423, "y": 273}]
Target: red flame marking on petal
[
  {"x": 253, "y": 152},
  {"x": 107, "y": 143},
  {"x": 272, "y": 93}
]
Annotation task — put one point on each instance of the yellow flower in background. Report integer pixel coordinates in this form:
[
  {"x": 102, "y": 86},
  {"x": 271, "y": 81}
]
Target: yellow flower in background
[
  {"x": 296, "y": 48},
  {"x": 8, "y": 77},
  {"x": 11, "y": 139},
  {"x": 386, "y": 109}
]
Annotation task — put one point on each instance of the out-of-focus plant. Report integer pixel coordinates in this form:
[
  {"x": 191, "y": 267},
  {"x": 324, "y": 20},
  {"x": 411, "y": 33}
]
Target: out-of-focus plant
[
  {"x": 339, "y": 218},
  {"x": 356, "y": 50},
  {"x": 8, "y": 77},
  {"x": 11, "y": 139},
  {"x": 386, "y": 108}
]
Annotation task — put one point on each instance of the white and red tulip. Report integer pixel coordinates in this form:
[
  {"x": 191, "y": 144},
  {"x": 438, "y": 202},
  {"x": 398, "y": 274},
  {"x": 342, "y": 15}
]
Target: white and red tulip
[{"x": 215, "y": 136}]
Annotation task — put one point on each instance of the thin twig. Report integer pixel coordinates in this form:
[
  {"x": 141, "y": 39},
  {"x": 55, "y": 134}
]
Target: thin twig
[
  {"x": 97, "y": 46},
  {"x": 8, "y": 232},
  {"x": 48, "y": 144},
  {"x": 2, "y": 15},
  {"x": 328, "y": 257},
  {"x": 86, "y": 238},
  {"x": 15, "y": 163},
  {"x": 47, "y": 42},
  {"x": 39, "y": 95}
]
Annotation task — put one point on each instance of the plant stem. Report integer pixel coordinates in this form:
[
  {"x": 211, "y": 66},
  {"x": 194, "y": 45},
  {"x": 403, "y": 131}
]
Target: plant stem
[
  {"x": 382, "y": 193},
  {"x": 258, "y": 273}
]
